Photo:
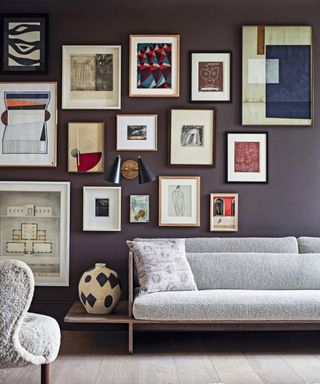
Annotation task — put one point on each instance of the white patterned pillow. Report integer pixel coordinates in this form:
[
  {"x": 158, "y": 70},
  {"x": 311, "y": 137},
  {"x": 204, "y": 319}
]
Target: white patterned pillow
[{"x": 162, "y": 266}]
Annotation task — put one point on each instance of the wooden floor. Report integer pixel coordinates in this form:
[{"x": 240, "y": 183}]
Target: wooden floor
[{"x": 207, "y": 358}]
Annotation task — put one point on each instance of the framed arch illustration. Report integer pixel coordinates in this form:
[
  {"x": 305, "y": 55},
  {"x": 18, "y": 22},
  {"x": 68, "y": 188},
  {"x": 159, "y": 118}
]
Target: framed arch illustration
[{"x": 224, "y": 212}]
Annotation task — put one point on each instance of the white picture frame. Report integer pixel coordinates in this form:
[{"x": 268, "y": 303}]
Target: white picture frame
[
  {"x": 101, "y": 208},
  {"x": 35, "y": 228},
  {"x": 224, "y": 208}
]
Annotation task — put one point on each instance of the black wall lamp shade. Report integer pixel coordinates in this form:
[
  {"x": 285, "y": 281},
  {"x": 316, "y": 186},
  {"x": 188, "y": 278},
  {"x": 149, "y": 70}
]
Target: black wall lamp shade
[
  {"x": 145, "y": 173},
  {"x": 114, "y": 175}
]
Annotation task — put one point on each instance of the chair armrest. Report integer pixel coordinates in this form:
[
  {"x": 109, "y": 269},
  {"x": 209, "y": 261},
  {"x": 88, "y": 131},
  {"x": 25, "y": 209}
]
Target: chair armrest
[{"x": 130, "y": 283}]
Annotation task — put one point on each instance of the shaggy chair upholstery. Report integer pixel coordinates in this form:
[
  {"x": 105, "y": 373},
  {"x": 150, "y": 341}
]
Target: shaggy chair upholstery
[{"x": 25, "y": 338}]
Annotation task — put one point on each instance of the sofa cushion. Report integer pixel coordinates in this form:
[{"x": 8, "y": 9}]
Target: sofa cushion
[
  {"x": 228, "y": 305},
  {"x": 309, "y": 244},
  {"x": 255, "y": 270}
]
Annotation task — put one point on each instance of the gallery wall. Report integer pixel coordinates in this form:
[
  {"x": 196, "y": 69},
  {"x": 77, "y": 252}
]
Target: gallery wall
[{"x": 288, "y": 205}]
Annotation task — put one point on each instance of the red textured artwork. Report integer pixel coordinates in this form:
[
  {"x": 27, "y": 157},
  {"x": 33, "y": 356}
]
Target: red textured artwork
[{"x": 246, "y": 156}]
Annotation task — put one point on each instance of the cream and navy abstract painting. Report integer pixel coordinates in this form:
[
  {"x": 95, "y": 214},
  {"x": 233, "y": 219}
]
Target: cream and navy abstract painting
[{"x": 24, "y": 44}]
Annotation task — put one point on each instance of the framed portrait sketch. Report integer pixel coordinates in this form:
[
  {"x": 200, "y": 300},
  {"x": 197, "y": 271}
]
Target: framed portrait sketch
[
  {"x": 28, "y": 124},
  {"x": 86, "y": 147},
  {"x": 277, "y": 75},
  {"x": 24, "y": 43},
  {"x": 35, "y": 228},
  {"x": 192, "y": 137},
  {"x": 247, "y": 157},
  {"x": 102, "y": 208},
  {"x": 179, "y": 201},
  {"x": 224, "y": 212},
  {"x": 137, "y": 132},
  {"x": 210, "y": 77},
  {"x": 154, "y": 65},
  {"x": 91, "y": 77},
  {"x": 139, "y": 209}
]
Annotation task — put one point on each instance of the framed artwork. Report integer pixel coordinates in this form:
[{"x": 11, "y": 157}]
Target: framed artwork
[
  {"x": 137, "y": 132},
  {"x": 210, "y": 76},
  {"x": 35, "y": 228},
  {"x": 139, "y": 209},
  {"x": 24, "y": 43},
  {"x": 277, "y": 78},
  {"x": 86, "y": 147},
  {"x": 102, "y": 208},
  {"x": 224, "y": 212},
  {"x": 247, "y": 157},
  {"x": 179, "y": 201},
  {"x": 154, "y": 65},
  {"x": 192, "y": 137},
  {"x": 28, "y": 124},
  {"x": 91, "y": 77}
]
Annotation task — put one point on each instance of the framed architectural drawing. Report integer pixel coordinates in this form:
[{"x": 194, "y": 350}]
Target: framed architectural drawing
[
  {"x": 192, "y": 137},
  {"x": 247, "y": 157},
  {"x": 139, "y": 209},
  {"x": 224, "y": 212},
  {"x": 277, "y": 79},
  {"x": 137, "y": 132},
  {"x": 28, "y": 124},
  {"x": 34, "y": 228},
  {"x": 179, "y": 201},
  {"x": 86, "y": 147},
  {"x": 91, "y": 77},
  {"x": 102, "y": 208},
  {"x": 210, "y": 77},
  {"x": 24, "y": 43},
  {"x": 154, "y": 65}
]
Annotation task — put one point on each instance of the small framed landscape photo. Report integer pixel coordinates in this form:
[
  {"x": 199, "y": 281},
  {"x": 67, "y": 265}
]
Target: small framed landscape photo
[
  {"x": 86, "y": 147},
  {"x": 192, "y": 137},
  {"x": 24, "y": 43},
  {"x": 224, "y": 212},
  {"x": 154, "y": 65},
  {"x": 210, "y": 76},
  {"x": 102, "y": 208},
  {"x": 247, "y": 157},
  {"x": 139, "y": 209},
  {"x": 137, "y": 132},
  {"x": 179, "y": 201}
]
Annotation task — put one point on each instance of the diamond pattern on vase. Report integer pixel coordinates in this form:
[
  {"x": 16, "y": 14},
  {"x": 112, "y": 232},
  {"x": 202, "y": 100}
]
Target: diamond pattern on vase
[{"x": 102, "y": 279}]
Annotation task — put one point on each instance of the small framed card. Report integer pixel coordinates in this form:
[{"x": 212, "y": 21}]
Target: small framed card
[
  {"x": 139, "y": 209},
  {"x": 224, "y": 212}
]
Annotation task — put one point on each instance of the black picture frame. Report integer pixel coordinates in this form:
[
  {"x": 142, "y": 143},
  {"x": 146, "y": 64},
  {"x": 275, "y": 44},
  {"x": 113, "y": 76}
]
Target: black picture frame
[{"x": 23, "y": 45}]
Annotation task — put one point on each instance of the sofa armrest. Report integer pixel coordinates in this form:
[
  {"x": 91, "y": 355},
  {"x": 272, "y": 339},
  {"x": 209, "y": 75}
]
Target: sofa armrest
[{"x": 130, "y": 284}]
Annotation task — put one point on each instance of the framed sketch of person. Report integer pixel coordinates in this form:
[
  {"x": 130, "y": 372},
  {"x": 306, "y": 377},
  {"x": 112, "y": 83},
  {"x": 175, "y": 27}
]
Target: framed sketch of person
[{"x": 179, "y": 201}]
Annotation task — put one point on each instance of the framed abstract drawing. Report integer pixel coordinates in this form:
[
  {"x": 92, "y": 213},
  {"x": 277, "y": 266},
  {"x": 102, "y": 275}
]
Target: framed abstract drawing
[
  {"x": 247, "y": 157},
  {"x": 139, "y": 209},
  {"x": 35, "y": 228},
  {"x": 154, "y": 65},
  {"x": 192, "y": 137},
  {"x": 24, "y": 43},
  {"x": 102, "y": 208},
  {"x": 137, "y": 132},
  {"x": 86, "y": 147},
  {"x": 179, "y": 201},
  {"x": 277, "y": 75},
  {"x": 91, "y": 77},
  {"x": 224, "y": 212},
  {"x": 28, "y": 124},
  {"x": 210, "y": 77}
]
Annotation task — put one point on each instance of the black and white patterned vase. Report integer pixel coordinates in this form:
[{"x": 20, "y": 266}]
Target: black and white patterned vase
[{"x": 100, "y": 290}]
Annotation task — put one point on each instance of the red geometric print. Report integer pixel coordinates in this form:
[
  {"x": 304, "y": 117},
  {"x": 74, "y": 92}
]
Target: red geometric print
[{"x": 246, "y": 157}]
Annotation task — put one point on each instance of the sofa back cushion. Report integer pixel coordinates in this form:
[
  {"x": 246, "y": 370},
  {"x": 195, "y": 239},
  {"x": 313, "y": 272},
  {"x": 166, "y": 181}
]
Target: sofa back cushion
[
  {"x": 258, "y": 271},
  {"x": 309, "y": 244}
]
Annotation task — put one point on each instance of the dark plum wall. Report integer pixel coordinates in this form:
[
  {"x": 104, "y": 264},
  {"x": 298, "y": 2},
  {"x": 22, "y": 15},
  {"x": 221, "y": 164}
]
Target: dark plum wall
[{"x": 288, "y": 205}]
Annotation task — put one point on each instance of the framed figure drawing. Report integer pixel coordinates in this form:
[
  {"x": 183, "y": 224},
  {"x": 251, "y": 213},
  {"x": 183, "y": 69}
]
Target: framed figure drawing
[
  {"x": 139, "y": 209},
  {"x": 102, "y": 208},
  {"x": 154, "y": 65},
  {"x": 28, "y": 124},
  {"x": 34, "y": 227},
  {"x": 277, "y": 79},
  {"x": 224, "y": 212},
  {"x": 86, "y": 147},
  {"x": 179, "y": 201},
  {"x": 210, "y": 77},
  {"x": 91, "y": 77},
  {"x": 24, "y": 43},
  {"x": 192, "y": 137},
  {"x": 137, "y": 132},
  {"x": 247, "y": 157}
]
